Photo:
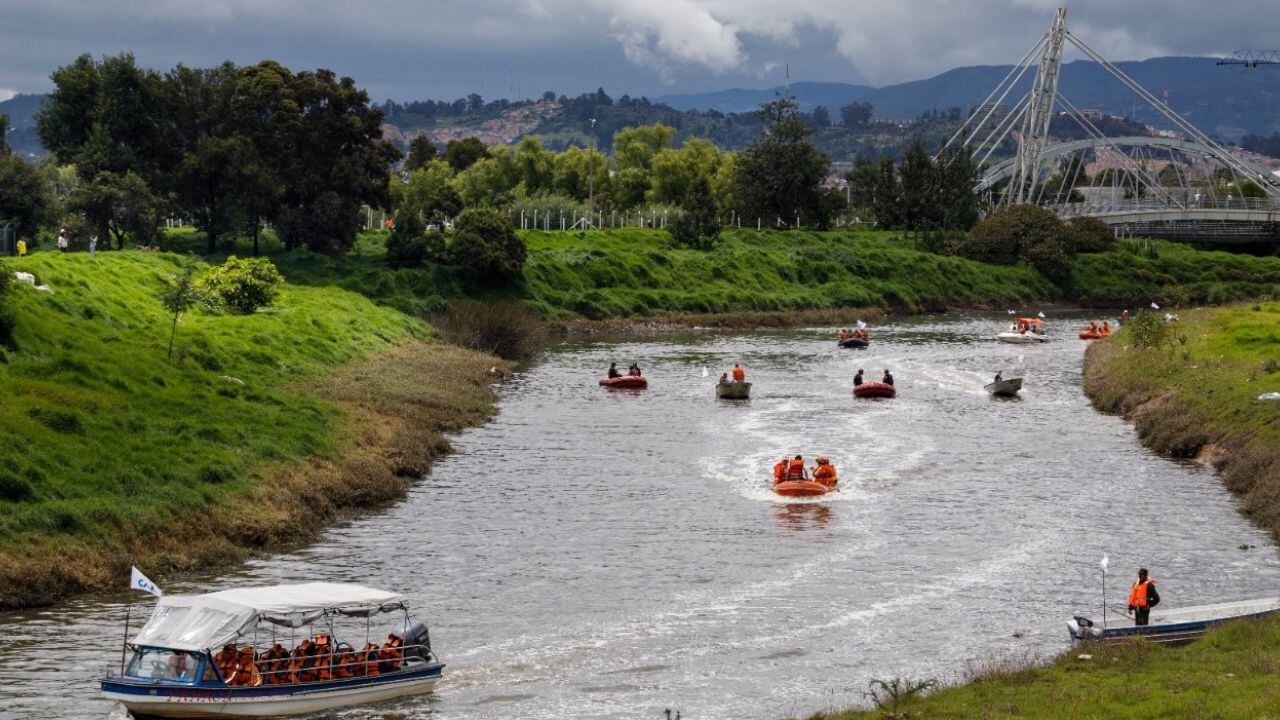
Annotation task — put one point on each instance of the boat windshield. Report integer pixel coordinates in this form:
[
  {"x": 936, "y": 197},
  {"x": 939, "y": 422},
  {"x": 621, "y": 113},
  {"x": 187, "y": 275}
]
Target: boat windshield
[{"x": 163, "y": 664}]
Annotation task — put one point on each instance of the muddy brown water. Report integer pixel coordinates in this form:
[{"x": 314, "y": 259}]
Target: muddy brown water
[{"x": 613, "y": 554}]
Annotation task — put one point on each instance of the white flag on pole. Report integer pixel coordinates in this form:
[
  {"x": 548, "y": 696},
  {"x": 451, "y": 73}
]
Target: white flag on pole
[
  {"x": 1104, "y": 563},
  {"x": 704, "y": 371},
  {"x": 861, "y": 325},
  {"x": 1011, "y": 312},
  {"x": 1154, "y": 306},
  {"x": 138, "y": 581},
  {"x": 1022, "y": 359},
  {"x": 1040, "y": 314}
]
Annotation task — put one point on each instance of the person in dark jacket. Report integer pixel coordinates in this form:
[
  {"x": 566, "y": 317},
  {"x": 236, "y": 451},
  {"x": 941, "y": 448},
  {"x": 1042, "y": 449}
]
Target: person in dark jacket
[
  {"x": 888, "y": 379},
  {"x": 613, "y": 370},
  {"x": 857, "y": 379},
  {"x": 1142, "y": 598}
]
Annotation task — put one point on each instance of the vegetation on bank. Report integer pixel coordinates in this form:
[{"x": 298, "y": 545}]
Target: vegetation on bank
[
  {"x": 113, "y": 454},
  {"x": 1228, "y": 674},
  {"x": 1191, "y": 388}
]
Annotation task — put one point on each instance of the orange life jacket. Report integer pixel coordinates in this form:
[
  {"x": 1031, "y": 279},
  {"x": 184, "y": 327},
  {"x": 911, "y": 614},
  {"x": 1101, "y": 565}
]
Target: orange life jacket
[
  {"x": 246, "y": 673},
  {"x": 272, "y": 664},
  {"x": 225, "y": 660},
  {"x": 1138, "y": 595},
  {"x": 739, "y": 374},
  {"x": 302, "y": 663},
  {"x": 391, "y": 654},
  {"x": 795, "y": 470},
  {"x": 780, "y": 472},
  {"x": 344, "y": 663},
  {"x": 324, "y": 660},
  {"x": 824, "y": 472},
  {"x": 369, "y": 660}
]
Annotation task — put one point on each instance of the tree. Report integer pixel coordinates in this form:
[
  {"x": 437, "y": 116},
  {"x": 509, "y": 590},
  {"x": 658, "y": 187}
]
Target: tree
[
  {"x": 429, "y": 196},
  {"x": 780, "y": 175},
  {"x": 486, "y": 249},
  {"x": 421, "y": 152},
  {"x": 1089, "y": 234},
  {"x": 1022, "y": 233},
  {"x": 462, "y": 154},
  {"x": 121, "y": 205},
  {"x": 821, "y": 118},
  {"x": 180, "y": 295},
  {"x": 856, "y": 114},
  {"x": 26, "y": 200},
  {"x": 698, "y": 226},
  {"x": 874, "y": 186}
]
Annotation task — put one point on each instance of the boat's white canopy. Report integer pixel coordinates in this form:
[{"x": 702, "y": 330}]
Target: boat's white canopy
[{"x": 201, "y": 622}]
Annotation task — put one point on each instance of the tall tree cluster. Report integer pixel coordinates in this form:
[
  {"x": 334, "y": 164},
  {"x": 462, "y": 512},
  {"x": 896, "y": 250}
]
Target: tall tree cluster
[
  {"x": 229, "y": 147},
  {"x": 780, "y": 175},
  {"x": 920, "y": 193}
]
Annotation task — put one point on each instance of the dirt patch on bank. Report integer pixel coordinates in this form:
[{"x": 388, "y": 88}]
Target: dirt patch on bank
[{"x": 398, "y": 408}]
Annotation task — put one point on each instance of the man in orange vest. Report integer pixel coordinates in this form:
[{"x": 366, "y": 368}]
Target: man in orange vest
[
  {"x": 738, "y": 373},
  {"x": 1142, "y": 598}
]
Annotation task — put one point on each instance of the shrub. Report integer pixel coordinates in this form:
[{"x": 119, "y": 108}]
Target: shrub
[
  {"x": 1148, "y": 330},
  {"x": 414, "y": 251},
  {"x": 506, "y": 328},
  {"x": 1089, "y": 234},
  {"x": 486, "y": 249},
  {"x": 243, "y": 285},
  {"x": 1022, "y": 233}
]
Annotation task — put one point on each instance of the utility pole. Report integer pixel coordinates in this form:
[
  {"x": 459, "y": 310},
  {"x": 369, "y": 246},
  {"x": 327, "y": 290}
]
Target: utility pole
[{"x": 591, "y": 175}]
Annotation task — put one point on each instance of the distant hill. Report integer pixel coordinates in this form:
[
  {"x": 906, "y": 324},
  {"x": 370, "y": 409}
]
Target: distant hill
[
  {"x": 1226, "y": 101},
  {"x": 808, "y": 95},
  {"x": 22, "y": 137}
]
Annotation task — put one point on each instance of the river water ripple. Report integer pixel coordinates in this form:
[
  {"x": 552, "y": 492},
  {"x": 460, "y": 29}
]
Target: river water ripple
[{"x": 610, "y": 554}]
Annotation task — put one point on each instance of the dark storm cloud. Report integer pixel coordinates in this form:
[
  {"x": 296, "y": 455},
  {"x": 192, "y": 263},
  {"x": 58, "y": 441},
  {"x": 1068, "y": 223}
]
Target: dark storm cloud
[{"x": 406, "y": 49}]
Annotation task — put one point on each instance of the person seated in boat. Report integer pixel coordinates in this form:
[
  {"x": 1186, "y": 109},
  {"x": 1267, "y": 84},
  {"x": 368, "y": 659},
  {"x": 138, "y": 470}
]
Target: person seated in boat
[
  {"x": 780, "y": 471},
  {"x": 246, "y": 672},
  {"x": 825, "y": 473},
  {"x": 324, "y": 657},
  {"x": 739, "y": 375},
  {"x": 392, "y": 654},
  {"x": 844, "y": 334},
  {"x": 860, "y": 333},
  {"x": 724, "y": 378},
  {"x": 273, "y": 664},
  {"x": 182, "y": 666},
  {"x": 888, "y": 379},
  {"x": 796, "y": 470},
  {"x": 225, "y": 660},
  {"x": 857, "y": 379},
  {"x": 1106, "y": 327},
  {"x": 999, "y": 376},
  {"x": 1142, "y": 598},
  {"x": 634, "y": 370},
  {"x": 613, "y": 371},
  {"x": 1093, "y": 326}
]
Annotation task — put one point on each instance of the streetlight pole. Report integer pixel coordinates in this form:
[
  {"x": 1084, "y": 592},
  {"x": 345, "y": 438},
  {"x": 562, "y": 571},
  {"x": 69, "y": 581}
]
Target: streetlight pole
[{"x": 591, "y": 174}]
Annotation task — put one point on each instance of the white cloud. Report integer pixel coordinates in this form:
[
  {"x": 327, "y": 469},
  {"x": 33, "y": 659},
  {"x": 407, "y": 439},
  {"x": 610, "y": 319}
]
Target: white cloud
[{"x": 6, "y": 93}]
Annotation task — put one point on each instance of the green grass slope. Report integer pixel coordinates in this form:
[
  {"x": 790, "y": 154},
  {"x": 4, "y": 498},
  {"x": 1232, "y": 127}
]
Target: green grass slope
[
  {"x": 1173, "y": 275},
  {"x": 104, "y": 438},
  {"x": 1229, "y": 674}
]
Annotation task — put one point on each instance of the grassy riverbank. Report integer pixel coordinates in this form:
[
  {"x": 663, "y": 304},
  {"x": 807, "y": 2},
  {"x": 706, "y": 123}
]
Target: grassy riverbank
[
  {"x": 1194, "y": 392},
  {"x": 255, "y": 435},
  {"x": 1229, "y": 674},
  {"x": 635, "y": 273}
]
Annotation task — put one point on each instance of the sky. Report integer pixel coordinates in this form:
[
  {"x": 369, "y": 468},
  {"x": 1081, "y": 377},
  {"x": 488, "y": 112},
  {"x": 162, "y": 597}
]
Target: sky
[{"x": 443, "y": 49}]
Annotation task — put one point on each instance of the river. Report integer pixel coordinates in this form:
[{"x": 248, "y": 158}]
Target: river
[{"x": 611, "y": 554}]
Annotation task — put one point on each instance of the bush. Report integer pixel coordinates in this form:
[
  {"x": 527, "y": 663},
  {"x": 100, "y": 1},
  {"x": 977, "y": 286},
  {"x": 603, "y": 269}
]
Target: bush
[
  {"x": 243, "y": 285},
  {"x": 414, "y": 251},
  {"x": 507, "y": 328},
  {"x": 486, "y": 249},
  {"x": 1148, "y": 330},
  {"x": 1089, "y": 234},
  {"x": 1022, "y": 233},
  {"x": 697, "y": 227}
]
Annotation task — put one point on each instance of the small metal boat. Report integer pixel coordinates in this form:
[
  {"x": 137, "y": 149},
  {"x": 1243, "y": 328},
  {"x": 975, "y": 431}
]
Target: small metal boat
[
  {"x": 1004, "y": 388},
  {"x": 733, "y": 390},
  {"x": 853, "y": 342},
  {"x": 1024, "y": 331},
  {"x": 174, "y": 668},
  {"x": 1169, "y": 626},
  {"x": 632, "y": 382},
  {"x": 874, "y": 390}
]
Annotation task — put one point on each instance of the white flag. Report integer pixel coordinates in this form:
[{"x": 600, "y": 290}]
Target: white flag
[
  {"x": 861, "y": 325},
  {"x": 1022, "y": 359},
  {"x": 1040, "y": 314},
  {"x": 1155, "y": 306},
  {"x": 1011, "y": 312},
  {"x": 138, "y": 581},
  {"x": 704, "y": 371},
  {"x": 1104, "y": 563}
]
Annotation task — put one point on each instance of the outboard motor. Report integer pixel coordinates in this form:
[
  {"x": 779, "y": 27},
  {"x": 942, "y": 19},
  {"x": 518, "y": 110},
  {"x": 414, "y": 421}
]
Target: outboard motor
[{"x": 417, "y": 641}]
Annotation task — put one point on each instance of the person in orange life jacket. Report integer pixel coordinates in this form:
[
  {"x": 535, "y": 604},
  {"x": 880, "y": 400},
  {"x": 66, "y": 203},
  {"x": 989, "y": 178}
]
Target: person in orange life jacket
[
  {"x": 739, "y": 374},
  {"x": 1142, "y": 598},
  {"x": 1106, "y": 327},
  {"x": 857, "y": 379},
  {"x": 780, "y": 471},
  {"x": 613, "y": 370},
  {"x": 825, "y": 472},
  {"x": 796, "y": 469}
]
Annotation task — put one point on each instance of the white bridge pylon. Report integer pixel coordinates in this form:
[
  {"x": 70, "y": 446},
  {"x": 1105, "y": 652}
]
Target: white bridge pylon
[{"x": 1039, "y": 172}]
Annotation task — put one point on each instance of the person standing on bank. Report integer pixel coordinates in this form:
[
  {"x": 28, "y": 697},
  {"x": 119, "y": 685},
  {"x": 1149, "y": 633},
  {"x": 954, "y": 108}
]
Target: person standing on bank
[
  {"x": 64, "y": 240},
  {"x": 1142, "y": 598}
]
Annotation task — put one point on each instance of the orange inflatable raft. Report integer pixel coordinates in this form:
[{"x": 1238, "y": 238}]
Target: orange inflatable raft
[
  {"x": 874, "y": 390},
  {"x": 801, "y": 488},
  {"x": 626, "y": 381}
]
